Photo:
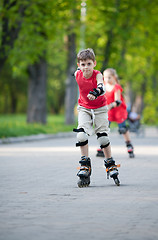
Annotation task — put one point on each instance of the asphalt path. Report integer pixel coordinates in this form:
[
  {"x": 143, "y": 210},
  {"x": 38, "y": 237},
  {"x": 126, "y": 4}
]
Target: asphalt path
[{"x": 40, "y": 199}]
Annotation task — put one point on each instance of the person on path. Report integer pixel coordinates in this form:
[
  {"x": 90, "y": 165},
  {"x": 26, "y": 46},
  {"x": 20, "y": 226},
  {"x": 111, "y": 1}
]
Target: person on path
[
  {"x": 117, "y": 110},
  {"x": 92, "y": 116}
]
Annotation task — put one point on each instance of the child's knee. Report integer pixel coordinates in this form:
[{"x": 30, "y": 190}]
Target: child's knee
[
  {"x": 82, "y": 137},
  {"x": 103, "y": 139}
]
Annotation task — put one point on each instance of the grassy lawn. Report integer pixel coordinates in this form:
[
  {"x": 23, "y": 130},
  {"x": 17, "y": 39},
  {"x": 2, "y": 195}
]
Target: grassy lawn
[{"x": 15, "y": 125}]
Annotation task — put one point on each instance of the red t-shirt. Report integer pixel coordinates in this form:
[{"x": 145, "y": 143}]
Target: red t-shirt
[
  {"x": 85, "y": 86},
  {"x": 117, "y": 114}
]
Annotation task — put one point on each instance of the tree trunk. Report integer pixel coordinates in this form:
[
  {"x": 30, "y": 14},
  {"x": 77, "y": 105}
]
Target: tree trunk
[
  {"x": 9, "y": 34},
  {"x": 37, "y": 92},
  {"x": 71, "y": 86}
]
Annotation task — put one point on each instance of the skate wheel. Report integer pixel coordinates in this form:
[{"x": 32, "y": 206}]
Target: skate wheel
[
  {"x": 117, "y": 182},
  {"x": 100, "y": 154},
  {"x": 83, "y": 183}
]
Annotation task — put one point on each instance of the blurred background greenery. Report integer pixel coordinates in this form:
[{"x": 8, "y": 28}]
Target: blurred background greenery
[{"x": 39, "y": 40}]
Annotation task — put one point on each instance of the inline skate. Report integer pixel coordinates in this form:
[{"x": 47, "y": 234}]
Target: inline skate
[
  {"x": 84, "y": 172},
  {"x": 112, "y": 170},
  {"x": 100, "y": 153},
  {"x": 130, "y": 149}
]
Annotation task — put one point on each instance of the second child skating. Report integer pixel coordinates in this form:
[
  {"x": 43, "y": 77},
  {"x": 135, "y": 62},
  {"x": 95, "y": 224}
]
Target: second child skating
[{"x": 117, "y": 110}]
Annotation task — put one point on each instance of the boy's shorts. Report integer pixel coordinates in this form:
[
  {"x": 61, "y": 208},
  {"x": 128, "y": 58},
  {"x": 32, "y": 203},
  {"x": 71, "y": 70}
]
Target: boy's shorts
[{"x": 93, "y": 120}]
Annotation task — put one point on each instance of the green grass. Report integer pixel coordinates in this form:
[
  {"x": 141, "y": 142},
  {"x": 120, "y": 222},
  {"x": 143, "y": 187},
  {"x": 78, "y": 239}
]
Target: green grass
[{"x": 16, "y": 125}]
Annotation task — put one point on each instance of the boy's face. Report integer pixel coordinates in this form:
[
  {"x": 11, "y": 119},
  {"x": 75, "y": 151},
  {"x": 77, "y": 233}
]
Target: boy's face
[{"x": 87, "y": 66}]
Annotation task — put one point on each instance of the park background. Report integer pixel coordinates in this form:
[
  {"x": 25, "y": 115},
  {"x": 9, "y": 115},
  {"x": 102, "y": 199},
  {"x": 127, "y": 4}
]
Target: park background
[{"x": 39, "y": 40}]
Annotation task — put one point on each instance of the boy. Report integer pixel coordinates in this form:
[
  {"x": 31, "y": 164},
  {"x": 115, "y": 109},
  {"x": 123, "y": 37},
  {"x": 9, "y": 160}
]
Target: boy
[{"x": 92, "y": 110}]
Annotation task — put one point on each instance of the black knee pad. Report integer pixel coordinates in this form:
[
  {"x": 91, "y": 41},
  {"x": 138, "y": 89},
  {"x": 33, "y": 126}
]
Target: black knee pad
[{"x": 123, "y": 130}]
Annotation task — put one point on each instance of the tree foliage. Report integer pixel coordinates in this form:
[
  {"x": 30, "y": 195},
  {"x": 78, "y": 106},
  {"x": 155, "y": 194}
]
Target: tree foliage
[{"x": 123, "y": 34}]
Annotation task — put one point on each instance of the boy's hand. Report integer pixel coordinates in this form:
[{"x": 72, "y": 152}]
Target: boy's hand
[{"x": 91, "y": 97}]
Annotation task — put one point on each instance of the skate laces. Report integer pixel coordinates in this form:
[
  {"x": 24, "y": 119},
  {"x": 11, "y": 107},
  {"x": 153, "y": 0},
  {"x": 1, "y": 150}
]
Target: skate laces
[{"x": 109, "y": 162}]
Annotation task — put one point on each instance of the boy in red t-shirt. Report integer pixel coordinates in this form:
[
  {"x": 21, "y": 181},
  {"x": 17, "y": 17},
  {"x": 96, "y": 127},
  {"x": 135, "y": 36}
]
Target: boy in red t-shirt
[
  {"x": 117, "y": 111},
  {"x": 92, "y": 116}
]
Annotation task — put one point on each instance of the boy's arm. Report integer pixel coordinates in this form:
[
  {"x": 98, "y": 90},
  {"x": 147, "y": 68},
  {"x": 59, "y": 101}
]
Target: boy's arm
[
  {"x": 100, "y": 90},
  {"x": 100, "y": 84}
]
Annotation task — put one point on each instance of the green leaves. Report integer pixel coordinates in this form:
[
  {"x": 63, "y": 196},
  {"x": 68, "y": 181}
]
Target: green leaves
[{"x": 122, "y": 33}]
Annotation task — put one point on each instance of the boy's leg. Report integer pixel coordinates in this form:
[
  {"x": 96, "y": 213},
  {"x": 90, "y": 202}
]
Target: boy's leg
[
  {"x": 83, "y": 130},
  {"x": 107, "y": 151},
  {"x": 100, "y": 152},
  {"x": 102, "y": 130},
  {"x": 84, "y": 150}
]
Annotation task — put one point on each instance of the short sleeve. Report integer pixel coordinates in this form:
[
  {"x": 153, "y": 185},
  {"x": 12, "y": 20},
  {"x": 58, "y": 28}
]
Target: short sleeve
[{"x": 118, "y": 87}]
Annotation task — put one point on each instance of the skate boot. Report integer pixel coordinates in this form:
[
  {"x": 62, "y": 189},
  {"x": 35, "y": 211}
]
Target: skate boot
[
  {"x": 84, "y": 172},
  {"x": 130, "y": 149},
  {"x": 112, "y": 170},
  {"x": 100, "y": 153}
]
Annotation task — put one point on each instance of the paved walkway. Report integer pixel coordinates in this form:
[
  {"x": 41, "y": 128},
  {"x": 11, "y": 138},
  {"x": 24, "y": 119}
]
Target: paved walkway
[{"x": 40, "y": 200}]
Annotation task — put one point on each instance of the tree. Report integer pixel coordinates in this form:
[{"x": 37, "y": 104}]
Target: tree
[
  {"x": 41, "y": 38},
  {"x": 26, "y": 30},
  {"x": 37, "y": 92},
  {"x": 9, "y": 29},
  {"x": 71, "y": 86},
  {"x": 123, "y": 35}
]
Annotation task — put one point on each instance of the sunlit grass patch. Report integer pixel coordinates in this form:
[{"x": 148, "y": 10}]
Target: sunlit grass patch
[{"x": 16, "y": 125}]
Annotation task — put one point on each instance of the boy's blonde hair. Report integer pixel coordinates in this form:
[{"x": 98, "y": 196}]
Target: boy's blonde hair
[
  {"x": 86, "y": 54},
  {"x": 112, "y": 72}
]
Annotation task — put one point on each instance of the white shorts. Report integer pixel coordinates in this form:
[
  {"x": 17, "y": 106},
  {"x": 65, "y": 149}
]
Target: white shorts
[{"x": 93, "y": 120}]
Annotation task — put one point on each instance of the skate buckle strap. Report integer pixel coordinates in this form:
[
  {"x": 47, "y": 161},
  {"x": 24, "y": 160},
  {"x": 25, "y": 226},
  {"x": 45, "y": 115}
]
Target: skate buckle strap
[
  {"x": 84, "y": 168},
  {"x": 111, "y": 168}
]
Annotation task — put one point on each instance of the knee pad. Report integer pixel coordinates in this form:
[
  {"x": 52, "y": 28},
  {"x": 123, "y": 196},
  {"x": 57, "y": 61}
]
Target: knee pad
[
  {"x": 82, "y": 137},
  {"x": 103, "y": 139},
  {"x": 123, "y": 130}
]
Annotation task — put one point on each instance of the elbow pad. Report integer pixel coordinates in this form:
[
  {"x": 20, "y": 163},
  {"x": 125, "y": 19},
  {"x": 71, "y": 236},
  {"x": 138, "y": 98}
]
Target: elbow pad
[{"x": 102, "y": 88}]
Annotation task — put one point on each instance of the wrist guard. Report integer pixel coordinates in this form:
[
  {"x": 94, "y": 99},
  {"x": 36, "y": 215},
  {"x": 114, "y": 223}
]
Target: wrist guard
[
  {"x": 95, "y": 93},
  {"x": 118, "y": 103}
]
